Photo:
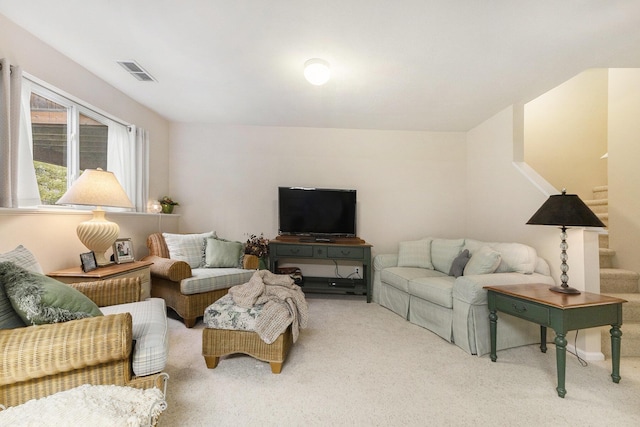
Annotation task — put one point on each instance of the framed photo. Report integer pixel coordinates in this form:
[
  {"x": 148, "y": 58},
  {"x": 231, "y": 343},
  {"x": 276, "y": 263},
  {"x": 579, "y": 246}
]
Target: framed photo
[
  {"x": 88, "y": 261},
  {"x": 123, "y": 251}
]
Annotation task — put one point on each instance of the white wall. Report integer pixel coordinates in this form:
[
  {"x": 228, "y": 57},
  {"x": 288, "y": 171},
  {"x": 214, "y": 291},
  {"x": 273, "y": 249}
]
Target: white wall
[
  {"x": 52, "y": 238},
  {"x": 409, "y": 184},
  {"x": 624, "y": 175},
  {"x": 41, "y": 61},
  {"x": 566, "y": 133},
  {"x": 51, "y": 235}
]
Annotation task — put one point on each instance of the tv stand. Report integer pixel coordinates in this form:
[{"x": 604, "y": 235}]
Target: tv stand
[
  {"x": 316, "y": 239},
  {"x": 338, "y": 248}
]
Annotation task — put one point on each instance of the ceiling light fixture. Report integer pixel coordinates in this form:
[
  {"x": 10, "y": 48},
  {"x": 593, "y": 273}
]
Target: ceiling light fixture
[{"x": 317, "y": 71}]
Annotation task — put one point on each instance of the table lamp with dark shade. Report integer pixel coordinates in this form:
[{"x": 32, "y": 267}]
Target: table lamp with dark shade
[
  {"x": 97, "y": 187},
  {"x": 565, "y": 210}
]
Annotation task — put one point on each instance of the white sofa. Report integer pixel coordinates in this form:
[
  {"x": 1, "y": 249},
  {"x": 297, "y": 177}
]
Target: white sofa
[{"x": 431, "y": 283}]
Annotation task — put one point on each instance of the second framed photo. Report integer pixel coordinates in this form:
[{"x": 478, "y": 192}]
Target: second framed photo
[
  {"x": 123, "y": 251},
  {"x": 88, "y": 261}
]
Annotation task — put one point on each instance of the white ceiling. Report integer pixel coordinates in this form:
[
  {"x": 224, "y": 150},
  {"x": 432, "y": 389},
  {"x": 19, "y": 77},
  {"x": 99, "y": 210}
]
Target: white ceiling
[{"x": 438, "y": 65}]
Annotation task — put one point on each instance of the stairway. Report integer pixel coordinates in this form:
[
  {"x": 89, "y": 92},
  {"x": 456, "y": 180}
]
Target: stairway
[{"x": 617, "y": 282}]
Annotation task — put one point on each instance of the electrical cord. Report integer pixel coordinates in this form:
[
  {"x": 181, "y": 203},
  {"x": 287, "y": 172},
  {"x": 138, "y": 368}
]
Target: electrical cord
[
  {"x": 350, "y": 276},
  {"x": 582, "y": 362}
]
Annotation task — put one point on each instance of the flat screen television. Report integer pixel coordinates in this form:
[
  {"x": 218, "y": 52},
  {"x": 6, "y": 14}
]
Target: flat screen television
[{"x": 316, "y": 212}]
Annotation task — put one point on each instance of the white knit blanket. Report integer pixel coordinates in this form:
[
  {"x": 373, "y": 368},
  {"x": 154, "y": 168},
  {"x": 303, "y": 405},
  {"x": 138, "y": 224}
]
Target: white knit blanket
[
  {"x": 89, "y": 405},
  {"x": 284, "y": 304}
]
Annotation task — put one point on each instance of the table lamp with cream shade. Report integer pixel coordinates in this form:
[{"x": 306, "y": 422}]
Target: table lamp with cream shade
[{"x": 97, "y": 187}]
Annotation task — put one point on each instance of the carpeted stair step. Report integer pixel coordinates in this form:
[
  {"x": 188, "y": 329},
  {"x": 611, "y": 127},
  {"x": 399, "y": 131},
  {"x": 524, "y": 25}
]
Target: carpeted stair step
[
  {"x": 598, "y": 206},
  {"x": 630, "y": 344},
  {"x": 617, "y": 281},
  {"x": 601, "y": 192},
  {"x": 606, "y": 257},
  {"x": 603, "y": 239}
]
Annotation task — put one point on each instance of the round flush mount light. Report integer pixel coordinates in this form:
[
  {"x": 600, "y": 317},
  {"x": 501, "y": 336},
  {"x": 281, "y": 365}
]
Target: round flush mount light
[{"x": 317, "y": 71}]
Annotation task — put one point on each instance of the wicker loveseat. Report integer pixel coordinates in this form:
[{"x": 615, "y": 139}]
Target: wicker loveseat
[
  {"x": 38, "y": 361},
  {"x": 188, "y": 291}
]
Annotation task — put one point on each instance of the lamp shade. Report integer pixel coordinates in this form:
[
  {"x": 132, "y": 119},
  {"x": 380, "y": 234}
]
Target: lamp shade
[
  {"x": 565, "y": 210},
  {"x": 96, "y": 187}
]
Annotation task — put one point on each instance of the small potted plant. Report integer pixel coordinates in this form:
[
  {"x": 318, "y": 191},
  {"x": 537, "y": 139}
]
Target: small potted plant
[{"x": 167, "y": 204}]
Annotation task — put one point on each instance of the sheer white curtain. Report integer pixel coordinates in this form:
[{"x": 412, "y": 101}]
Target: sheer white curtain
[
  {"x": 127, "y": 159},
  {"x": 16, "y": 159},
  {"x": 142, "y": 168},
  {"x": 28, "y": 191}
]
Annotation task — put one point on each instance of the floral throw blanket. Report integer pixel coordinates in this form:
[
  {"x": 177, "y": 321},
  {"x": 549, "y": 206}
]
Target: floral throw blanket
[{"x": 284, "y": 304}]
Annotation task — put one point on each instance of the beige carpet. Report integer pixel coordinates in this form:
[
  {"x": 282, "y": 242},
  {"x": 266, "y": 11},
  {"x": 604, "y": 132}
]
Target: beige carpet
[{"x": 360, "y": 364}]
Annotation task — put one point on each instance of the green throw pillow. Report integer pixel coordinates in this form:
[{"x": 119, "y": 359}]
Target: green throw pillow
[
  {"x": 39, "y": 299},
  {"x": 9, "y": 319},
  {"x": 220, "y": 253}
]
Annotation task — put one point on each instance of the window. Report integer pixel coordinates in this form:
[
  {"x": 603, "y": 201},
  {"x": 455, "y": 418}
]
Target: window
[{"x": 68, "y": 137}]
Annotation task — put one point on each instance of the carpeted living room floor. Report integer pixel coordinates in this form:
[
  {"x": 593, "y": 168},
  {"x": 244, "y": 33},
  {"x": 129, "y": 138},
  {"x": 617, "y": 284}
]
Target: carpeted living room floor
[{"x": 360, "y": 364}]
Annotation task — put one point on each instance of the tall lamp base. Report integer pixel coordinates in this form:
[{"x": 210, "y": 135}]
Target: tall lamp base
[
  {"x": 98, "y": 235},
  {"x": 564, "y": 290}
]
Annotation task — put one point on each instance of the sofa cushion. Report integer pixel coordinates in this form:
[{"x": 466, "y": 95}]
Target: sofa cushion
[
  {"x": 399, "y": 277},
  {"x": 443, "y": 252},
  {"x": 437, "y": 290},
  {"x": 483, "y": 261},
  {"x": 150, "y": 333},
  {"x": 187, "y": 247},
  {"x": 416, "y": 253},
  {"x": 221, "y": 253},
  {"x": 516, "y": 257},
  {"x": 39, "y": 299},
  {"x": 211, "y": 279},
  {"x": 22, "y": 257},
  {"x": 226, "y": 314},
  {"x": 457, "y": 267}
]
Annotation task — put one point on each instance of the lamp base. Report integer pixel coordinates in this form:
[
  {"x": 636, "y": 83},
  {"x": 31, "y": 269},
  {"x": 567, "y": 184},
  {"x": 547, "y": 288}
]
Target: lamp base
[
  {"x": 98, "y": 235},
  {"x": 565, "y": 290}
]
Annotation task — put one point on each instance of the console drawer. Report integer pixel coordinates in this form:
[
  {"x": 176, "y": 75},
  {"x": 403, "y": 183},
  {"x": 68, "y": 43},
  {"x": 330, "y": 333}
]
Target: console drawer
[
  {"x": 523, "y": 309},
  {"x": 345, "y": 252},
  {"x": 294, "y": 250}
]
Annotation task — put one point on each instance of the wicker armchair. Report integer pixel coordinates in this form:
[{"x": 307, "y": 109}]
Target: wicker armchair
[
  {"x": 38, "y": 361},
  {"x": 166, "y": 275}
]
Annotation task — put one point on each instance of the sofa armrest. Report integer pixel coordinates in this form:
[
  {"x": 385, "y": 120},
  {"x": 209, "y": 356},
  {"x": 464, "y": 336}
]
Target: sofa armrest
[
  {"x": 250, "y": 262},
  {"x": 170, "y": 269},
  {"x": 63, "y": 347},
  {"x": 111, "y": 291},
  {"x": 382, "y": 261}
]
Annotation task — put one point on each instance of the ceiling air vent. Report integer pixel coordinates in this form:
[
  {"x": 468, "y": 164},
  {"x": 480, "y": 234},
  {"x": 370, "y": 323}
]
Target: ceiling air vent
[{"x": 136, "y": 71}]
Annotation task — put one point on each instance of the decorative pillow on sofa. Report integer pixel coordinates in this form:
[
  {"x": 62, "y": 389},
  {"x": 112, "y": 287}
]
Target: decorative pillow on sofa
[
  {"x": 483, "y": 261},
  {"x": 416, "y": 253},
  {"x": 457, "y": 267},
  {"x": 39, "y": 299},
  {"x": 187, "y": 247},
  {"x": 222, "y": 253},
  {"x": 516, "y": 257},
  {"x": 9, "y": 319},
  {"x": 443, "y": 252},
  {"x": 22, "y": 257}
]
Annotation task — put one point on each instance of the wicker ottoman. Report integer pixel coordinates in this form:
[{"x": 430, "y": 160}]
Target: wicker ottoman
[{"x": 230, "y": 329}]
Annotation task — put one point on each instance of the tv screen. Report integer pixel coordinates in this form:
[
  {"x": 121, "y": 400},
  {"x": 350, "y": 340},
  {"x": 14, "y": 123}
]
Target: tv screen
[{"x": 317, "y": 212}]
